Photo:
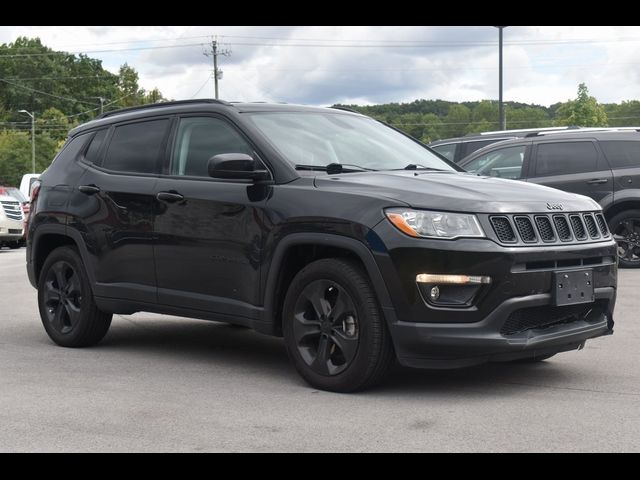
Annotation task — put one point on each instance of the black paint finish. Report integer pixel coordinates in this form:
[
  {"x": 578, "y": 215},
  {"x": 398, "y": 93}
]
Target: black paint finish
[{"x": 225, "y": 249}]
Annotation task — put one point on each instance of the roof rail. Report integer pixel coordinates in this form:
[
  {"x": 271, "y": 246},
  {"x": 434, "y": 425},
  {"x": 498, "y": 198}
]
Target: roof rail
[
  {"x": 159, "y": 105},
  {"x": 522, "y": 130},
  {"x": 589, "y": 130}
]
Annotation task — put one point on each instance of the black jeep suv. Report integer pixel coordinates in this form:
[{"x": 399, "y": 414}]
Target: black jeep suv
[
  {"x": 350, "y": 239},
  {"x": 602, "y": 164}
]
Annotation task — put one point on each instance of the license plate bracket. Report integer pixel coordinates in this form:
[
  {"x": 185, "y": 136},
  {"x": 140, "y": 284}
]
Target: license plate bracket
[{"x": 573, "y": 287}]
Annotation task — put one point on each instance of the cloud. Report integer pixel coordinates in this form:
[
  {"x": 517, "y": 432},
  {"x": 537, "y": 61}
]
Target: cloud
[{"x": 543, "y": 65}]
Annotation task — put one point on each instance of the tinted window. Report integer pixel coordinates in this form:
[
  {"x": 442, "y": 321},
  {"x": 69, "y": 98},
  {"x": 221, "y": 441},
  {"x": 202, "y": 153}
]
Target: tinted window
[
  {"x": 471, "y": 147},
  {"x": 622, "y": 154},
  {"x": 70, "y": 151},
  {"x": 201, "y": 138},
  {"x": 136, "y": 147},
  {"x": 447, "y": 151},
  {"x": 503, "y": 163},
  {"x": 566, "y": 158},
  {"x": 94, "y": 147}
]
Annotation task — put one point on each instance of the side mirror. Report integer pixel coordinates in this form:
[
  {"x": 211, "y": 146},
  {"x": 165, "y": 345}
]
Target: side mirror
[{"x": 236, "y": 166}]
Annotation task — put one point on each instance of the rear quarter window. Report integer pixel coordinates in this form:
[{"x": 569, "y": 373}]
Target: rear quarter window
[{"x": 622, "y": 154}]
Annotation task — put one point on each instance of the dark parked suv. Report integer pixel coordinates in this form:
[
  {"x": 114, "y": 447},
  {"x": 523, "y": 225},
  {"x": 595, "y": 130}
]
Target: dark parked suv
[
  {"x": 456, "y": 149},
  {"x": 351, "y": 240},
  {"x": 604, "y": 165}
]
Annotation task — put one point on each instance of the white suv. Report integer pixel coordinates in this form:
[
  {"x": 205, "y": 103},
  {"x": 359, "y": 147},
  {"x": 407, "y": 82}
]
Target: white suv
[{"x": 11, "y": 222}]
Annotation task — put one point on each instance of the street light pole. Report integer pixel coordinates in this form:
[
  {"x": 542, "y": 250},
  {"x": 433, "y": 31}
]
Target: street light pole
[
  {"x": 503, "y": 120},
  {"x": 33, "y": 138}
]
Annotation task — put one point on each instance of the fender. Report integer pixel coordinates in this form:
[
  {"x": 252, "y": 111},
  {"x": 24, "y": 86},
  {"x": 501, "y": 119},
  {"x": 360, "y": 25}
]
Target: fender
[
  {"x": 608, "y": 201},
  {"x": 346, "y": 243},
  {"x": 70, "y": 233},
  {"x": 621, "y": 196}
]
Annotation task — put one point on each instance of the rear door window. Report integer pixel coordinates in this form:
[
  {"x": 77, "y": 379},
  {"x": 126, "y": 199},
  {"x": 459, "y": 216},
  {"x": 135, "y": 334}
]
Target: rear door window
[
  {"x": 564, "y": 158},
  {"x": 136, "y": 147}
]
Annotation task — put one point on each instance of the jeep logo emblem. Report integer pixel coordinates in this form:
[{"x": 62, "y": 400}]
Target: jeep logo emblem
[{"x": 554, "y": 206}]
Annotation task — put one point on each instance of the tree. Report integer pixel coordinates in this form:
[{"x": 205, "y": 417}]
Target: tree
[
  {"x": 456, "y": 122},
  {"x": 584, "y": 111},
  {"x": 53, "y": 122},
  {"x": 624, "y": 114},
  {"x": 129, "y": 92},
  {"x": 432, "y": 128},
  {"x": 15, "y": 155},
  {"x": 154, "y": 96}
]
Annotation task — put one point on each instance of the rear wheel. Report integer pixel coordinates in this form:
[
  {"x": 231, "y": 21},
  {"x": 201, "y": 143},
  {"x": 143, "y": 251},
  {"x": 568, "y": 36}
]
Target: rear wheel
[
  {"x": 626, "y": 231},
  {"x": 67, "y": 308},
  {"x": 14, "y": 245},
  {"x": 333, "y": 327}
]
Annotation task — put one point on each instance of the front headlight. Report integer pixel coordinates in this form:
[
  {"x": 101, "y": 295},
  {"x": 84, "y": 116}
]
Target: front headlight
[{"x": 423, "y": 223}]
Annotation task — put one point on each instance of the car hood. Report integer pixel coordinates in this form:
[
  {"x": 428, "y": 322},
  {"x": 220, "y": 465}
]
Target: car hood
[{"x": 460, "y": 192}]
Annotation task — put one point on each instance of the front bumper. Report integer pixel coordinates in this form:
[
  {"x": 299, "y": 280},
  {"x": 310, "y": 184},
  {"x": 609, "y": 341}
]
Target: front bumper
[
  {"x": 441, "y": 337},
  {"x": 8, "y": 235},
  {"x": 442, "y": 345}
]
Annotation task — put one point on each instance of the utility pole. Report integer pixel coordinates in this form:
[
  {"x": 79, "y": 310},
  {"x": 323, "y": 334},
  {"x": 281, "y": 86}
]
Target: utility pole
[
  {"x": 102, "y": 101},
  {"x": 33, "y": 138},
  {"x": 503, "y": 120},
  {"x": 213, "y": 53}
]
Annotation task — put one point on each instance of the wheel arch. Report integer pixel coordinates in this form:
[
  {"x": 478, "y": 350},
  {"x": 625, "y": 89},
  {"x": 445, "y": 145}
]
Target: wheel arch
[
  {"x": 287, "y": 261},
  {"x": 621, "y": 206},
  {"x": 49, "y": 237}
]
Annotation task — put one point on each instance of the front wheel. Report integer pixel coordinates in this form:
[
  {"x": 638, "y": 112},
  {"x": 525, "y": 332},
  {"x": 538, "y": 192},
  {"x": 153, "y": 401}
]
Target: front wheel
[
  {"x": 334, "y": 329},
  {"x": 14, "y": 245},
  {"x": 626, "y": 231},
  {"x": 67, "y": 308}
]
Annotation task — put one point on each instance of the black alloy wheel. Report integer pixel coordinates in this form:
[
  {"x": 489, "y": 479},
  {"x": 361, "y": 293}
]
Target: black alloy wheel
[
  {"x": 68, "y": 309},
  {"x": 626, "y": 232},
  {"x": 325, "y": 327},
  {"x": 334, "y": 329},
  {"x": 62, "y": 297}
]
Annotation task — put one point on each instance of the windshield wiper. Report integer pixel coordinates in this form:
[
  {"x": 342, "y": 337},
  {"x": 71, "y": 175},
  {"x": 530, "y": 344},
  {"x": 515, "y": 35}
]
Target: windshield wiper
[
  {"x": 334, "y": 168},
  {"x": 415, "y": 166}
]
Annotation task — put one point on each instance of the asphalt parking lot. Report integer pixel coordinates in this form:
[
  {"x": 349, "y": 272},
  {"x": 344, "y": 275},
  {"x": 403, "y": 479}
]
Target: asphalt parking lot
[{"x": 161, "y": 383}]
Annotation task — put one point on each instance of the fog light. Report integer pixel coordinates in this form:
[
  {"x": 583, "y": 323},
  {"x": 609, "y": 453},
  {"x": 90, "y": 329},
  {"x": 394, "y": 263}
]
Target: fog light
[
  {"x": 452, "y": 279},
  {"x": 434, "y": 294}
]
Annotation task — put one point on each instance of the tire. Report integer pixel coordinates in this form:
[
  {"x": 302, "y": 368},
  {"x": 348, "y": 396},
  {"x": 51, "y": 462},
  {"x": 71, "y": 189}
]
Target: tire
[
  {"x": 628, "y": 254},
  {"x": 346, "y": 347},
  {"x": 67, "y": 307},
  {"x": 14, "y": 245}
]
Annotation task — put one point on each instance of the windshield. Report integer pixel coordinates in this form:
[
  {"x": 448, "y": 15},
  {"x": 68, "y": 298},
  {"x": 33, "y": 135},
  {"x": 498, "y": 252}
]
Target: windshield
[
  {"x": 13, "y": 192},
  {"x": 321, "y": 139}
]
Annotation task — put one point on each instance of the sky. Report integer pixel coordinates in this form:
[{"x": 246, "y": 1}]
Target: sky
[{"x": 318, "y": 65}]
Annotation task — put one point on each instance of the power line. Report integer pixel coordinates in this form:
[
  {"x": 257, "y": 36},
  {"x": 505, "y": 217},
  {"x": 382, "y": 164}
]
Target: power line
[
  {"x": 70, "y": 77},
  {"x": 203, "y": 85},
  {"x": 47, "y": 54},
  {"x": 43, "y": 93},
  {"x": 327, "y": 43}
]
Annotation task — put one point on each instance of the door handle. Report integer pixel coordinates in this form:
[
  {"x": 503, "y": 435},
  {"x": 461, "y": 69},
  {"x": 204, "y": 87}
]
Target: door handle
[
  {"x": 89, "y": 189},
  {"x": 598, "y": 181},
  {"x": 169, "y": 197}
]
